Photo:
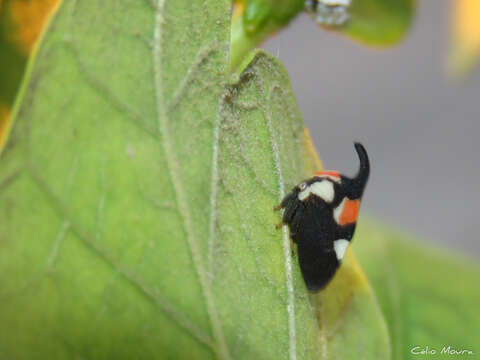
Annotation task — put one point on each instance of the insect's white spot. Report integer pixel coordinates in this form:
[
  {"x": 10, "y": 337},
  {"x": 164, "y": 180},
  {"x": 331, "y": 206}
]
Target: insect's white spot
[
  {"x": 302, "y": 195},
  {"x": 322, "y": 189},
  {"x": 340, "y": 247},
  {"x": 337, "y": 212}
]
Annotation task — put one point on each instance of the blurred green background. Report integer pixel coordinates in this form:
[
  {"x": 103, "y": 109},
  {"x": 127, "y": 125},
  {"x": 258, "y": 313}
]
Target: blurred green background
[{"x": 419, "y": 124}]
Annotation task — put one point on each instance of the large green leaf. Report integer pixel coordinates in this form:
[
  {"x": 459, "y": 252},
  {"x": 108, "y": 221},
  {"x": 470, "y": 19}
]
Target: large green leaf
[
  {"x": 136, "y": 195},
  {"x": 429, "y": 296}
]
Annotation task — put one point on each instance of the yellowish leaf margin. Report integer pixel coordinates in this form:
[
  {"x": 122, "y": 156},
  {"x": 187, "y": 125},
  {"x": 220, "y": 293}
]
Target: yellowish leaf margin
[
  {"x": 6, "y": 117},
  {"x": 28, "y": 18}
]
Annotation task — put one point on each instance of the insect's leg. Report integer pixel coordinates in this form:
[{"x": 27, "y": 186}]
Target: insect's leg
[
  {"x": 290, "y": 204},
  {"x": 290, "y": 211},
  {"x": 286, "y": 201}
]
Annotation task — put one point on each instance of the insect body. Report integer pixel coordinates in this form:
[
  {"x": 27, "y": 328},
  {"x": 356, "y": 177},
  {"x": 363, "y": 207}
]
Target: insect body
[{"x": 321, "y": 213}]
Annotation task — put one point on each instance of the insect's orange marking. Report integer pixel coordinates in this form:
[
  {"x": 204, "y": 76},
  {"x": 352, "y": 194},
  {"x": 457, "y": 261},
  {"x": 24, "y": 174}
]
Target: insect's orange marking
[
  {"x": 331, "y": 173},
  {"x": 350, "y": 212}
]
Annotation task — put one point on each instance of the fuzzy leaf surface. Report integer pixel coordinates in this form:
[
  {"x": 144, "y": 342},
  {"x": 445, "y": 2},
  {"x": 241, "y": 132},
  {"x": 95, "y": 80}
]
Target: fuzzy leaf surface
[{"x": 136, "y": 195}]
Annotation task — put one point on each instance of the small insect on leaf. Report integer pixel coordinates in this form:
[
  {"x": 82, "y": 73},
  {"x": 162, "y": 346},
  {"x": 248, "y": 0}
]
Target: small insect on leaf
[{"x": 321, "y": 213}]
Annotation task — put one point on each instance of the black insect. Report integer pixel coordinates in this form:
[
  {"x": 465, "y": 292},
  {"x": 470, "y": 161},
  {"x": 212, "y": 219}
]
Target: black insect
[{"x": 321, "y": 213}]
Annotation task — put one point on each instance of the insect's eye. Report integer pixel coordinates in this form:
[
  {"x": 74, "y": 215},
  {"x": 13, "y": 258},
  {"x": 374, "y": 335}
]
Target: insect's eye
[{"x": 302, "y": 186}]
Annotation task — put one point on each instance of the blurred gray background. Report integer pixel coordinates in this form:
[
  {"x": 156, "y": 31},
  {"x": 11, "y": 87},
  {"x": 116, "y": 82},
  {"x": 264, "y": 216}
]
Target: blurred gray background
[{"x": 420, "y": 128}]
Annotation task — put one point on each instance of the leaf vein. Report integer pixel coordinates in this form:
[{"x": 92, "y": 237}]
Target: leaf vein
[
  {"x": 107, "y": 93},
  {"x": 292, "y": 334},
  {"x": 220, "y": 348},
  {"x": 9, "y": 179},
  {"x": 61, "y": 233},
  {"x": 191, "y": 74},
  {"x": 214, "y": 187}
]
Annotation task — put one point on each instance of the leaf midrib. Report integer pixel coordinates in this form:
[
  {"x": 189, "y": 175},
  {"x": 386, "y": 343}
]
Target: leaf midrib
[
  {"x": 292, "y": 335},
  {"x": 220, "y": 348}
]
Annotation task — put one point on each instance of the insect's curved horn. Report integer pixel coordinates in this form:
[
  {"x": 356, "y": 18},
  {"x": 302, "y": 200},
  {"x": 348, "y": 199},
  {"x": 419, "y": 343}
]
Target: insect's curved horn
[{"x": 361, "y": 179}]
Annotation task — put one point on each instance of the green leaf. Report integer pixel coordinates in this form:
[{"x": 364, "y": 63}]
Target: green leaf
[
  {"x": 379, "y": 22},
  {"x": 136, "y": 196},
  {"x": 429, "y": 296},
  {"x": 258, "y": 12},
  {"x": 254, "y": 20},
  {"x": 372, "y": 22}
]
